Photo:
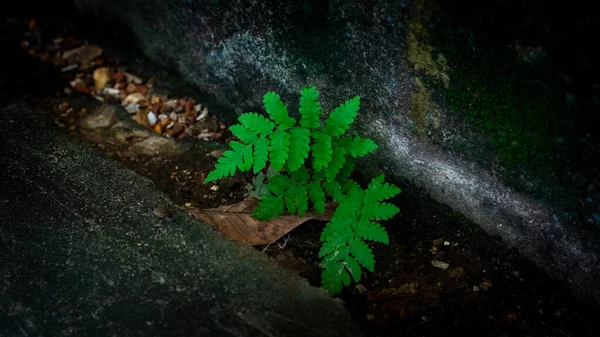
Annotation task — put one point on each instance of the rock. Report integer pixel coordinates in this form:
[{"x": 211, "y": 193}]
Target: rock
[
  {"x": 217, "y": 153},
  {"x": 102, "y": 116},
  {"x": 132, "y": 78},
  {"x": 439, "y": 264},
  {"x": 156, "y": 145},
  {"x": 89, "y": 52},
  {"x": 134, "y": 98},
  {"x": 162, "y": 211},
  {"x": 101, "y": 77}
]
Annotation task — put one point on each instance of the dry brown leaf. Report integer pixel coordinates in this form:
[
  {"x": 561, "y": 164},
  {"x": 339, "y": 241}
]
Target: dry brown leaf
[{"x": 236, "y": 222}]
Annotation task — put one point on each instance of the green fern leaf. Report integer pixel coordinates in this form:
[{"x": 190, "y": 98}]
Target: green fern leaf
[
  {"x": 321, "y": 150},
  {"x": 296, "y": 199},
  {"x": 336, "y": 226},
  {"x": 340, "y": 119},
  {"x": 359, "y": 147},
  {"x": 245, "y": 135},
  {"x": 338, "y": 159},
  {"x": 379, "y": 211},
  {"x": 334, "y": 242},
  {"x": 334, "y": 277},
  {"x": 363, "y": 254},
  {"x": 301, "y": 175},
  {"x": 261, "y": 154},
  {"x": 345, "y": 215},
  {"x": 279, "y": 183},
  {"x": 286, "y": 192},
  {"x": 279, "y": 149},
  {"x": 372, "y": 231},
  {"x": 334, "y": 189},
  {"x": 270, "y": 206},
  {"x": 378, "y": 190},
  {"x": 350, "y": 185},
  {"x": 257, "y": 123},
  {"x": 310, "y": 108},
  {"x": 277, "y": 111},
  {"x": 318, "y": 176},
  {"x": 346, "y": 170},
  {"x": 299, "y": 140},
  {"x": 353, "y": 267},
  {"x": 240, "y": 156},
  {"x": 316, "y": 196}
]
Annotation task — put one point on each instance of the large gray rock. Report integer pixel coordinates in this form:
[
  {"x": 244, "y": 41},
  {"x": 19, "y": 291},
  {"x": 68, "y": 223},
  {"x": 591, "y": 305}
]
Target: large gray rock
[
  {"x": 82, "y": 255},
  {"x": 234, "y": 52}
]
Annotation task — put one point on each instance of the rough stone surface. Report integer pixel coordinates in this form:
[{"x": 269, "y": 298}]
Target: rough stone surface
[
  {"x": 102, "y": 117},
  {"x": 81, "y": 254},
  {"x": 235, "y": 52},
  {"x": 155, "y": 145}
]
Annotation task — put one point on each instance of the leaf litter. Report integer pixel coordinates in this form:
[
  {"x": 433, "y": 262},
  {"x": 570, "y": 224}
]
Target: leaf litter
[{"x": 236, "y": 222}]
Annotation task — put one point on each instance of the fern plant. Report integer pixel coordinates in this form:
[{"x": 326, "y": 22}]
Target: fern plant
[{"x": 313, "y": 162}]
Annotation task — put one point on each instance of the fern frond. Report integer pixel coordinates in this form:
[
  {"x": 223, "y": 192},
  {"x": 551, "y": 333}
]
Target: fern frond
[
  {"x": 299, "y": 140},
  {"x": 310, "y": 108},
  {"x": 359, "y": 147},
  {"x": 344, "y": 217},
  {"x": 343, "y": 237},
  {"x": 245, "y": 135},
  {"x": 316, "y": 196},
  {"x": 340, "y": 119},
  {"x": 378, "y": 190},
  {"x": 334, "y": 277},
  {"x": 279, "y": 183},
  {"x": 257, "y": 123},
  {"x": 353, "y": 267},
  {"x": 279, "y": 148},
  {"x": 362, "y": 253},
  {"x": 269, "y": 207},
  {"x": 379, "y": 211},
  {"x": 338, "y": 158},
  {"x": 346, "y": 170},
  {"x": 286, "y": 192},
  {"x": 301, "y": 175},
  {"x": 296, "y": 199},
  {"x": 334, "y": 189},
  {"x": 321, "y": 150},
  {"x": 318, "y": 175},
  {"x": 349, "y": 184},
  {"x": 261, "y": 154},
  {"x": 273, "y": 205},
  {"x": 240, "y": 156},
  {"x": 277, "y": 111},
  {"x": 372, "y": 231},
  {"x": 334, "y": 243}
]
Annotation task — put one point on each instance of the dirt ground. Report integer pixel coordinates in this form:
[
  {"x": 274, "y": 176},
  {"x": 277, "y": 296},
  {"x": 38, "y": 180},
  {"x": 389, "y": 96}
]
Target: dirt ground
[{"x": 487, "y": 289}]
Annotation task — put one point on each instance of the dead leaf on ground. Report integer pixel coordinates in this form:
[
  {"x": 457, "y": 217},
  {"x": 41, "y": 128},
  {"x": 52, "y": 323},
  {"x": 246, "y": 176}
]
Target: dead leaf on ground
[{"x": 236, "y": 222}]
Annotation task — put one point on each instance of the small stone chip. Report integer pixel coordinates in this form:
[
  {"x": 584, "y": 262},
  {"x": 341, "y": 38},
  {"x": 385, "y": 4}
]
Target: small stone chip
[{"x": 439, "y": 264}]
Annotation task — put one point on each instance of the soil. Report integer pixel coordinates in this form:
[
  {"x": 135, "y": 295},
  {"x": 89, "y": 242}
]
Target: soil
[{"x": 487, "y": 289}]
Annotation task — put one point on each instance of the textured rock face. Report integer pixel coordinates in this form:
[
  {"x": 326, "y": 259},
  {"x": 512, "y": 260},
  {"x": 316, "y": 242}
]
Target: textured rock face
[{"x": 234, "y": 52}]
